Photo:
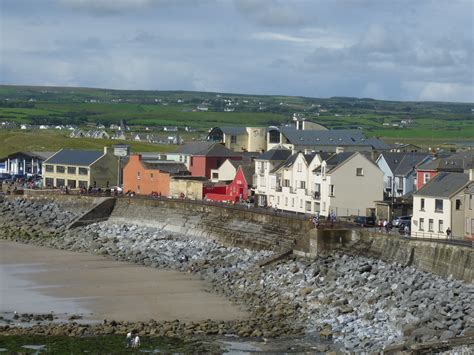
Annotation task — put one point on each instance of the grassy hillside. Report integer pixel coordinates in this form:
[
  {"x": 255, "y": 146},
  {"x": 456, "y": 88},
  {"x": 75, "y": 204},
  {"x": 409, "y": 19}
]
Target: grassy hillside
[
  {"x": 85, "y": 106},
  {"x": 13, "y": 141}
]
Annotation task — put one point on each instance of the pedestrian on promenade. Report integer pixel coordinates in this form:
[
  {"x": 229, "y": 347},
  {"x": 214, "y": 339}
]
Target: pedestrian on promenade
[
  {"x": 448, "y": 233},
  {"x": 128, "y": 340}
]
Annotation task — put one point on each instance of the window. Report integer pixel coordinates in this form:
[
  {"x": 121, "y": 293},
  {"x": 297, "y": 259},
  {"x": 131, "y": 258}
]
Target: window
[
  {"x": 303, "y": 184},
  {"x": 60, "y": 182},
  {"x": 60, "y": 169},
  {"x": 215, "y": 175},
  {"x": 360, "y": 172},
  {"x": 274, "y": 136},
  {"x": 422, "y": 224},
  {"x": 286, "y": 201},
  {"x": 308, "y": 206},
  {"x": 71, "y": 170},
  {"x": 458, "y": 204},
  {"x": 83, "y": 171},
  {"x": 426, "y": 178},
  {"x": 293, "y": 202},
  {"x": 278, "y": 200},
  {"x": 440, "y": 226},
  {"x": 300, "y": 167},
  {"x": 438, "y": 205},
  {"x": 71, "y": 184},
  {"x": 49, "y": 168},
  {"x": 389, "y": 183},
  {"x": 138, "y": 175},
  {"x": 430, "y": 225},
  {"x": 83, "y": 184},
  {"x": 422, "y": 204},
  {"x": 286, "y": 183},
  {"x": 233, "y": 139},
  {"x": 138, "y": 188},
  {"x": 400, "y": 183},
  {"x": 301, "y": 203},
  {"x": 191, "y": 161},
  {"x": 49, "y": 182},
  {"x": 331, "y": 190}
]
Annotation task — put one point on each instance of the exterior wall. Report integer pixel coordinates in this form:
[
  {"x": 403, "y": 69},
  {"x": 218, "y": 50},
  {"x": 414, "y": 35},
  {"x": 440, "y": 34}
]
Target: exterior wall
[
  {"x": 257, "y": 139},
  {"x": 226, "y": 172},
  {"x": 240, "y": 144},
  {"x": 144, "y": 181},
  {"x": 429, "y": 213},
  {"x": 458, "y": 215},
  {"x": 104, "y": 171},
  {"x": 420, "y": 177},
  {"x": 78, "y": 178},
  {"x": 353, "y": 194},
  {"x": 235, "y": 191},
  {"x": 469, "y": 216},
  {"x": 180, "y": 158},
  {"x": 202, "y": 165},
  {"x": 192, "y": 189}
]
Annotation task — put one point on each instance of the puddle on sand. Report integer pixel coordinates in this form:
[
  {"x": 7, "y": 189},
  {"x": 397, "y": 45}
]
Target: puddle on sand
[{"x": 17, "y": 293}]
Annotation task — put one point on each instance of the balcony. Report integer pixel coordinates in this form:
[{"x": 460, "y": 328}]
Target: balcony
[{"x": 316, "y": 195}]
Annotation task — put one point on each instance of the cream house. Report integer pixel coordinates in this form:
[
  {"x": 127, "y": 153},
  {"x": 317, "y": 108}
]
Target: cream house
[
  {"x": 240, "y": 139},
  {"x": 81, "y": 168},
  {"x": 347, "y": 184},
  {"x": 226, "y": 172},
  {"x": 444, "y": 202}
]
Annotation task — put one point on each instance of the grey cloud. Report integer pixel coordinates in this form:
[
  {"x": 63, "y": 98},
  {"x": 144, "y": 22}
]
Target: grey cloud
[{"x": 274, "y": 13}]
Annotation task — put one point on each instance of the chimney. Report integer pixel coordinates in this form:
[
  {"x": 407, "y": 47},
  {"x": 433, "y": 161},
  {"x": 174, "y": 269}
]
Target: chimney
[
  {"x": 471, "y": 174},
  {"x": 339, "y": 150}
]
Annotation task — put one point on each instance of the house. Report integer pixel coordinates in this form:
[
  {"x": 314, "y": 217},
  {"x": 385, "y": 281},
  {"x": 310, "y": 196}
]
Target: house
[
  {"x": 240, "y": 139},
  {"x": 170, "y": 129},
  {"x": 150, "y": 176},
  {"x": 400, "y": 171},
  {"x": 81, "y": 168},
  {"x": 226, "y": 172},
  {"x": 292, "y": 183},
  {"x": 264, "y": 164},
  {"x": 446, "y": 201},
  {"x": 348, "y": 184},
  {"x": 239, "y": 189},
  {"x": 456, "y": 163},
  {"x": 24, "y": 163},
  {"x": 322, "y": 140},
  {"x": 77, "y": 133},
  {"x": 119, "y": 135},
  {"x": 201, "y": 157},
  {"x": 405, "y": 148},
  {"x": 190, "y": 187}
]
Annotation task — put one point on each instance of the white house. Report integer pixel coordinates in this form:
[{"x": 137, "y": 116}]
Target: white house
[
  {"x": 400, "y": 171},
  {"x": 226, "y": 172},
  {"x": 264, "y": 164},
  {"x": 348, "y": 184},
  {"x": 291, "y": 184},
  {"x": 446, "y": 201}
]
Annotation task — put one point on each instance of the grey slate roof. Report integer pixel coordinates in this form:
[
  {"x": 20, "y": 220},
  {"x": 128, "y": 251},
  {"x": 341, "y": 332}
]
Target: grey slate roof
[
  {"x": 75, "y": 157},
  {"x": 275, "y": 154},
  {"x": 234, "y": 130},
  {"x": 249, "y": 171},
  {"x": 335, "y": 159},
  {"x": 209, "y": 149},
  {"x": 28, "y": 155},
  {"x": 402, "y": 163},
  {"x": 443, "y": 185},
  {"x": 171, "y": 167},
  {"x": 331, "y": 138},
  {"x": 458, "y": 162}
]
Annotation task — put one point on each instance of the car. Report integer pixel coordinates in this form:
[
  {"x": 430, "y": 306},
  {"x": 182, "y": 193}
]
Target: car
[
  {"x": 365, "y": 221},
  {"x": 401, "y": 221}
]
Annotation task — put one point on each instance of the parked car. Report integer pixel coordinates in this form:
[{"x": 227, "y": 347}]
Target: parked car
[
  {"x": 365, "y": 221},
  {"x": 401, "y": 221}
]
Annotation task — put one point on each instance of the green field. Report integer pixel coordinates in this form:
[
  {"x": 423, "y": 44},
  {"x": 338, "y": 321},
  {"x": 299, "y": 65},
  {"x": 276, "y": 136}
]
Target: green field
[
  {"x": 140, "y": 109},
  {"x": 47, "y": 140}
]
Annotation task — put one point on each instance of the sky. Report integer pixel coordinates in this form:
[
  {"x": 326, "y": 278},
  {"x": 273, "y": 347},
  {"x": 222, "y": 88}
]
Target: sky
[{"x": 411, "y": 50}]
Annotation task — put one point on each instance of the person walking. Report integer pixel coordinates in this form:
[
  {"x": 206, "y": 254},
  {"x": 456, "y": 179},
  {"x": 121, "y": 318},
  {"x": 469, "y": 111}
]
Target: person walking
[{"x": 448, "y": 233}]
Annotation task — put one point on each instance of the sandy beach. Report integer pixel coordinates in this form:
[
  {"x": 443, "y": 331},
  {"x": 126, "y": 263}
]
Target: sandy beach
[{"x": 36, "y": 279}]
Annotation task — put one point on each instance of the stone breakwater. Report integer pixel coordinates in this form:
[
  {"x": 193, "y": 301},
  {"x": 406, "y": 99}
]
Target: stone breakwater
[{"x": 362, "y": 304}]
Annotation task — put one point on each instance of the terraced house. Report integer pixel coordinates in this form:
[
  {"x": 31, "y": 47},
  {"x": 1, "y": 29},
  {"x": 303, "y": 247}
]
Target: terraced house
[{"x": 81, "y": 168}]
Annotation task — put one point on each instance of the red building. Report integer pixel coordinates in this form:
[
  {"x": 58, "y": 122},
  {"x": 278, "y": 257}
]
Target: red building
[
  {"x": 205, "y": 156},
  {"x": 238, "y": 189}
]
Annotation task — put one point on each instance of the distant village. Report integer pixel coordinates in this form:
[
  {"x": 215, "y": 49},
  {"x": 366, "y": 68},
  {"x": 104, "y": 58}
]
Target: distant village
[{"x": 300, "y": 168}]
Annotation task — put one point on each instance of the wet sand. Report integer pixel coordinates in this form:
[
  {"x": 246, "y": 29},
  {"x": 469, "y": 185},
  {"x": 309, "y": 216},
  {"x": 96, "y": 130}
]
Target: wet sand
[{"x": 39, "y": 280}]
